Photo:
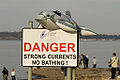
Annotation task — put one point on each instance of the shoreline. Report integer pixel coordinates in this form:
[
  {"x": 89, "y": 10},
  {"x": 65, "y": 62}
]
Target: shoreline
[{"x": 55, "y": 73}]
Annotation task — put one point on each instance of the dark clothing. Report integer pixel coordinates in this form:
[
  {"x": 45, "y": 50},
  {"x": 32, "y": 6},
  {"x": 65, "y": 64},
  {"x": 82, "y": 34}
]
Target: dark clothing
[
  {"x": 5, "y": 74},
  {"x": 113, "y": 71},
  {"x": 85, "y": 61},
  {"x": 5, "y": 71},
  {"x": 118, "y": 71},
  {"x": 13, "y": 78},
  {"x": 94, "y": 65}
]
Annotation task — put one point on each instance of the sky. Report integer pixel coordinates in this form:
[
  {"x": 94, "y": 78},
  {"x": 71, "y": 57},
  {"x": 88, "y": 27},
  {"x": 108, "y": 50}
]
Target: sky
[{"x": 101, "y": 16}]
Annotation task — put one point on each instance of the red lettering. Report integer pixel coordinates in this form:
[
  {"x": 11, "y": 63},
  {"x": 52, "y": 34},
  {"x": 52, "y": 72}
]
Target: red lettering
[
  {"x": 71, "y": 46},
  {"x": 43, "y": 46},
  {"x": 36, "y": 47},
  {"x": 62, "y": 46},
  {"x": 25, "y": 46},
  {"x": 55, "y": 48}
]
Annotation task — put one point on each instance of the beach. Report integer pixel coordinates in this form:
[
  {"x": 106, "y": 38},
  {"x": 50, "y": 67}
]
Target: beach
[{"x": 52, "y": 73}]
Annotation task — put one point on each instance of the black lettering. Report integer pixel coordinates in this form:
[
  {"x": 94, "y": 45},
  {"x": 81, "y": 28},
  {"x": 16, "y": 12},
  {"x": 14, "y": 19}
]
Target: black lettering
[
  {"x": 37, "y": 62},
  {"x": 25, "y": 56}
]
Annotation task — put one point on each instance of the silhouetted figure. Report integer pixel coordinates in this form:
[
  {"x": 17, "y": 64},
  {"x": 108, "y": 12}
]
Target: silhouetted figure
[
  {"x": 5, "y": 73},
  {"x": 85, "y": 61},
  {"x": 82, "y": 61}
]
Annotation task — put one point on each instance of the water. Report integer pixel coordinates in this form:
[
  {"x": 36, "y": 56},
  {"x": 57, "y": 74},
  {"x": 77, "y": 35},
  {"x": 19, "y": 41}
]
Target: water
[
  {"x": 10, "y": 54},
  {"x": 10, "y": 57},
  {"x": 102, "y": 50}
]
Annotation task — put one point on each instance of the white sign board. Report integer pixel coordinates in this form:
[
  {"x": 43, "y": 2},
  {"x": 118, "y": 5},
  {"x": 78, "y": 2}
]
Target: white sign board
[{"x": 42, "y": 47}]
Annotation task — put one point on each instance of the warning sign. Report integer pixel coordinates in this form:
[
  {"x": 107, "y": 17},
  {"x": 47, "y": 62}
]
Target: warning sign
[{"x": 42, "y": 47}]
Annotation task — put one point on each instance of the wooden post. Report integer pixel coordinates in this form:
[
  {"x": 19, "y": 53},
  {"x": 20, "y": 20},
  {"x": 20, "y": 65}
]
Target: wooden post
[
  {"x": 65, "y": 73},
  {"x": 73, "y": 73},
  {"x": 29, "y": 73},
  {"x": 30, "y": 24},
  {"x": 30, "y": 68},
  {"x": 68, "y": 73}
]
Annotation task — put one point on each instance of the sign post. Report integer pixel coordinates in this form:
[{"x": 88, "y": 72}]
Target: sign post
[
  {"x": 30, "y": 68},
  {"x": 73, "y": 73},
  {"x": 68, "y": 73},
  {"x": 65, "y": 73},
  {"x": 78, "y": 46}
]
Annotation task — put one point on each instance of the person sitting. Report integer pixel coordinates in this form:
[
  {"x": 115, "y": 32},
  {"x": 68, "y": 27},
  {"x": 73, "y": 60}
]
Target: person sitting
[{"x": 57, "y": 12}]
